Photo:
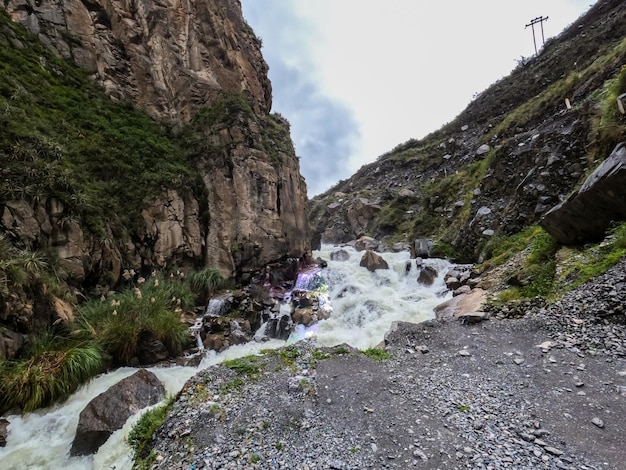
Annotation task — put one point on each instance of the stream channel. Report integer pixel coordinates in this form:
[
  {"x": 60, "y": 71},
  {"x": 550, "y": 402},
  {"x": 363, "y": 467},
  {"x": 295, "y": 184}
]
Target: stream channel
[{"x": 364, "y": 305}]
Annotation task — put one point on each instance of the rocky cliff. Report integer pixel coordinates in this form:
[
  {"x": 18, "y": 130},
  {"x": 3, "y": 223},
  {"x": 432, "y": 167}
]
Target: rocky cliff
[
  {"x": 210, "y": 179},
  {"x": 168, "y": 57},
  {"x": 514, "y": 153}
]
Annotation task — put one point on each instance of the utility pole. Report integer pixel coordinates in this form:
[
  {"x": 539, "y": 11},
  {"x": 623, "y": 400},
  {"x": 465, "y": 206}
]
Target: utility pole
[{"x": 533, "y": 22}]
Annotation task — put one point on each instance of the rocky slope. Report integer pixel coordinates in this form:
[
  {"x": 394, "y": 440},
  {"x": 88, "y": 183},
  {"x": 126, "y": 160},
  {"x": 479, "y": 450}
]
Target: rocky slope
[
  {"x": 514, "y": 153},
  {"x": 545, "y": 389},
  {"x": 222, "y": 182}
]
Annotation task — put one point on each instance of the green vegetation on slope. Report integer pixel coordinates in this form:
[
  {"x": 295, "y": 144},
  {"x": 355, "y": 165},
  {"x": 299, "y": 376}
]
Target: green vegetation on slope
[
  {"x": 141, "y": 434},
  {"x": 63, "y": 138},
  {"x": 58, "y": 362},
  {"x": 55, "y": 368}
]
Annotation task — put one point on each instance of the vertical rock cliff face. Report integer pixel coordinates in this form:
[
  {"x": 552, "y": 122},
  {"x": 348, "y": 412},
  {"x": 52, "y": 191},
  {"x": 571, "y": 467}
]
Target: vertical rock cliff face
[
  {"x": 173, "y": 58},
  {"x": 169, "y": 57}
]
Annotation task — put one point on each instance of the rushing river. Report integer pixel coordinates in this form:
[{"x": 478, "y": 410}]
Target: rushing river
[{"x": 364, "y": 305}]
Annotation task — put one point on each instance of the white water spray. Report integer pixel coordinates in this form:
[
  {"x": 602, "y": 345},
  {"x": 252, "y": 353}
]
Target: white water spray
[{"x": 364, "y": 305}]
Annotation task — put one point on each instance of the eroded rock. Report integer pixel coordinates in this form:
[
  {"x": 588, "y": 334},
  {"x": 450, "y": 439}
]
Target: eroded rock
[{"x": 586, "y": 214}]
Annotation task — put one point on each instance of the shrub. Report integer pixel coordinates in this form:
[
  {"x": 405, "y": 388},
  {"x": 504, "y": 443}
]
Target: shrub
[
  {"x": 155, "y": 309},
  {"x": 203, "y": 283},
  {"x": 55, "y": 369},
  {"x": 378, "y": 354}
]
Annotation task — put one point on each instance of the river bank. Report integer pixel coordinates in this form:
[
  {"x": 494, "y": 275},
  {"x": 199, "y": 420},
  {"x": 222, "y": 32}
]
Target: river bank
[{"x": 546, "y": 389}]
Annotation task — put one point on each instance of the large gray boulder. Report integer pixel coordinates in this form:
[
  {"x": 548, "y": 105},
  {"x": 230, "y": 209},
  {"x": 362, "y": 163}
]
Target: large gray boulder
[
  {"x": 587, "y": 213},
  {"x": 109, "y": 411}
]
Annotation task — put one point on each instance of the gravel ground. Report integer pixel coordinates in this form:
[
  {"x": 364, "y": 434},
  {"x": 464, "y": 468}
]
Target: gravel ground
[{"x": 535, "y": 387}]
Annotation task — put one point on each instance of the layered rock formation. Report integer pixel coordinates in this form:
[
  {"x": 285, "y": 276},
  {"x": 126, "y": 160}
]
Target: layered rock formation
[
  {"x": 588, "y": 212},
  {"x": 196, "y": 67},
  {"x": 173, "y": 59},
  {"x": 168, "y": 57}
]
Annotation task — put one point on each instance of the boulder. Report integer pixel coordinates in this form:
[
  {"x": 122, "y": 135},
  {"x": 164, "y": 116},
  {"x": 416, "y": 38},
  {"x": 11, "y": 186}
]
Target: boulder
[
  {"x": 586, "y": 214},
  {"x": 150, "y": 350},
  {"x": 10, "y": 343},
  {"x": 339, "y": 254},
  {"x": 427, "y": 276},
  {"x": 462, "y": 290},
  {"x": 366, "y": 243},
  {"x": 109, "y": 411},
  {"x": 4, "y": 432},
  {"x": 373, "y": 261},
  {"x": 460, "y": 305}
]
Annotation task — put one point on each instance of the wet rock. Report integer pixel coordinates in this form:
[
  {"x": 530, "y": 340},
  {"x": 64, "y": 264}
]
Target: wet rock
[
  {"x": 366, "y": 243},
  {"x": 462, "y": 290},
  {"x": 339, "y": 254},
  {"x": 214, "y": 341},
  {"x": 373, "y": 261},
  {"x": 193, "y": 360},
  {"x": 109, "y": 411},
  {"x": 150, "y": 350},
  {"x": 427, "y": 276},
  {"x": 4, "y": 432}
]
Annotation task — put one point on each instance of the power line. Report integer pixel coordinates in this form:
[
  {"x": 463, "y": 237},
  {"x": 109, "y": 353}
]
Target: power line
[{"x": 533, "y": 22}]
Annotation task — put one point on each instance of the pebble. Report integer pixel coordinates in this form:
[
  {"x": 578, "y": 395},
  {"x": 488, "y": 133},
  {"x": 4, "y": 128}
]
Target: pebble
[
  {"x": 553, "y": 450},
  {"x": 598, "y": 422},
  {"x": 494, "y": 420}
]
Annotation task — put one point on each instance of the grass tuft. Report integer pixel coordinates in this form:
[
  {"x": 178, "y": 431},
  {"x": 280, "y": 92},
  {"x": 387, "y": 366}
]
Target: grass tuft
[{"x": 55, "y": 369}]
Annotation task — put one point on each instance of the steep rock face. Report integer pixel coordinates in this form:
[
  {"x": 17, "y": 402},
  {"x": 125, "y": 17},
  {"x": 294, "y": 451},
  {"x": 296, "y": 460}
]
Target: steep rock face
[
  {"x": 256, "y": 198},
  {"x": 168, "y": 57},
  {"x": 173, "y": 59}
]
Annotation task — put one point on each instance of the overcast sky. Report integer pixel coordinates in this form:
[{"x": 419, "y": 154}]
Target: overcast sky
[{"x": 357, "y": 77}]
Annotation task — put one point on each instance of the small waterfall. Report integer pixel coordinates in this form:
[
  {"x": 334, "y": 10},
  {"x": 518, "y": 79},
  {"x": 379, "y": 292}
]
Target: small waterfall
[
  {"x": 216, "y": 307},
  {"x": 276, "y": 323},
  {"x": 195, "y": 330}
]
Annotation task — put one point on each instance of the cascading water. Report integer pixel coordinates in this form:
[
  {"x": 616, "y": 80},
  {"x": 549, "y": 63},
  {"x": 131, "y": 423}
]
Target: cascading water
[
  {"x": 364, "y": 305},
  {"x": 216, "y": 307}
]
